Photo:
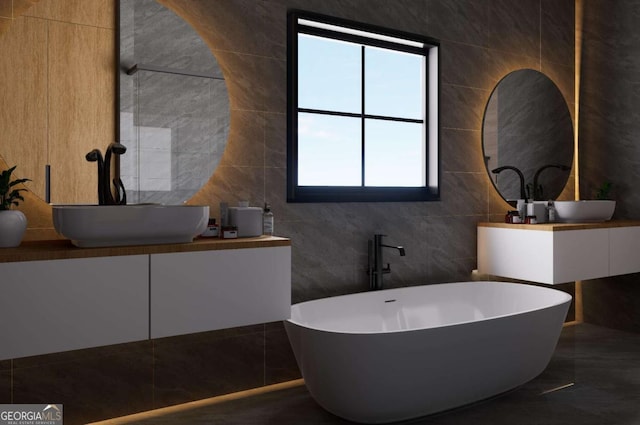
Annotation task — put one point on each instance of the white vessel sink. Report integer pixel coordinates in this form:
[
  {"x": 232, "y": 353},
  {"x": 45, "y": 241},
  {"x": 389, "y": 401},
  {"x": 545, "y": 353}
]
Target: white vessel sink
[
  {"x": 584, "y": 211},
  {"x": 119, "y": 225}
]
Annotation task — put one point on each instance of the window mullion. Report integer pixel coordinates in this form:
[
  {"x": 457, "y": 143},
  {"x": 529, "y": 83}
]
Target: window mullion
[{"x": 362, "y": 111}]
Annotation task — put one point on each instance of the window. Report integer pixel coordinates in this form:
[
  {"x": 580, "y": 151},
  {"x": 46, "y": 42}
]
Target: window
[{"x": 362, "y": 113}]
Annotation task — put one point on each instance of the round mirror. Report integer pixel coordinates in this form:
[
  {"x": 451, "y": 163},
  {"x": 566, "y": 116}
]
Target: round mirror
[
  {"x": 527, "y": 137},
  {"x": 174, "y": 105}
]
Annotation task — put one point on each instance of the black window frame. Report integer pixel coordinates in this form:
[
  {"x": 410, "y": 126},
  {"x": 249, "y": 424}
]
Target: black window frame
[{"x": 295, "y": 193}]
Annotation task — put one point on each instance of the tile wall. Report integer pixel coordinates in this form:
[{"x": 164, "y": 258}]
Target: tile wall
[
  {"x": 609, "y": 148},
  {"x": 481, "y": 41}
]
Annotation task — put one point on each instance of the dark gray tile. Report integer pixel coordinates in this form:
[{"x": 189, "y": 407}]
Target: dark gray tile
[
  {"x": 456, "y": 59},
  {"x": 280, "y": 363},
  {"x": 501, "y": 63},
  {"x": 5, "y": 381},
  {"x": 590, "y": 380},
  {"x": 443, "y": 269},
  {"x": 320, "y": 282},
  {"x": 464, "y": 194},
  {"x": 452, "y": 236},
  {"x": 563, "y": 77},
  {"x": 461, "y": 151},
  {"x": 255, "y": 83},
  {"x": 403, "y": 15},
  {"x": 557, "y": 33},
  {"x": 243, "y": 26},
  {"x": 247, "y": 135},
  {"x": 92, "y": 384},
  {"x": 612, "y": 302},
  {"x": 464, "y": 21},
  {"x": 462, "y": 107},
  {"x": 204, "y": 365},
  {"x": 275, "y": 140},
  {"x": 515, "y": 27},
  {"x": 232, "y": 185}
]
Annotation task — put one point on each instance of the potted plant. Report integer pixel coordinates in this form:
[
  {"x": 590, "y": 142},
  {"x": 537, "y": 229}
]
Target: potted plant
[{"x": 13, "y": 223}]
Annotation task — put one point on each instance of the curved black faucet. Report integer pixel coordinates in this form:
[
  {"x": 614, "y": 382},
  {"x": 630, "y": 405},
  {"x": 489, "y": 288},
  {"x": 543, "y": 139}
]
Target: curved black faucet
[
  {"x": 105, "y": 195},
  {"x": 112, "y": 149},
  {"x": 523, "y": 194},
  {"x": 537, "y": 174},
  {"x": 96, "y": 156}
]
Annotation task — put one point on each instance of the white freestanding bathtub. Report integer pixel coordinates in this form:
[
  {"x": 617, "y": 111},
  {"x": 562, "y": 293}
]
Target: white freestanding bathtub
[{"x": 396, "y": 354}]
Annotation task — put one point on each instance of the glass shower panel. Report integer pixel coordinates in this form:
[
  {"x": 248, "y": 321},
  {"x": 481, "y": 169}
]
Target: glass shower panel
[{"x": 178, "y": 139}]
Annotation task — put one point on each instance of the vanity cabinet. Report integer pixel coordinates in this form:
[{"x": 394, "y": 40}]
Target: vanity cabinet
[
  {"x": 558, "y": 253},
  {"x": 209, "y": 290},
  {"x": 51, "y": 306},
  {"x": 104, "y": 296},
  {"x": 624, "y": 255}
]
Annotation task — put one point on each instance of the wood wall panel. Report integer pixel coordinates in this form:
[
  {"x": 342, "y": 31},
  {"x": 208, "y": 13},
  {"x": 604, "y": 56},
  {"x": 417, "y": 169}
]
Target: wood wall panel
[
  {"x": 21, "y": 6},
  {"x": 95, "y": 13},
  {"x": 23, "y": 104},
  {"x": 81, "y": 103},
  {"x": 6, "y": 9}
]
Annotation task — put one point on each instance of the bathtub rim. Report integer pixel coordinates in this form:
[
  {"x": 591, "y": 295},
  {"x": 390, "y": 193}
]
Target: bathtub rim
[{"x": 563, "y": 298}]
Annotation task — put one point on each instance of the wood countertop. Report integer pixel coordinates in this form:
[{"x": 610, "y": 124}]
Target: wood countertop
[
  {"x": 558, "y": 227},
  {"x": 63, "y": 249}
]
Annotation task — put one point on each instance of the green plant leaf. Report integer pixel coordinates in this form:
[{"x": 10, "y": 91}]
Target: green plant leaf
[
  {"x": 10, "y": 197},
  {"x": 19, "y": 181}
]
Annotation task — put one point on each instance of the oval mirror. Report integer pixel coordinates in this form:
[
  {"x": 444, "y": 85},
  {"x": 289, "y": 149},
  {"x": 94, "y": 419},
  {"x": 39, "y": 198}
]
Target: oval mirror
[
  {"x": 174, "y": 105},
  {"x": 527, "y": 137}
]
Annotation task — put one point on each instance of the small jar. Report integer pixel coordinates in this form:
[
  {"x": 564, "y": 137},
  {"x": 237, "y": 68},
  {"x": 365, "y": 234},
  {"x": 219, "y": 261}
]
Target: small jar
[
  {"x": 212, "y": 231},
  {"x": 507, "y": 217},
  {"x": 531, "y": 219},
  {"x": 229, "y": 232},
  {"x": 512, "y": 217}
]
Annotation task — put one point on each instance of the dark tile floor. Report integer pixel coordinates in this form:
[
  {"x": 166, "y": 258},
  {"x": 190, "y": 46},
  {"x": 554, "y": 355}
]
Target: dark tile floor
[{"x": 600, "y": 368}]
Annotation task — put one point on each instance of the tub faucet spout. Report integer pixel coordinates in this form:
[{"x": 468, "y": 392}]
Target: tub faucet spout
[{"x": 376, "y": 268}]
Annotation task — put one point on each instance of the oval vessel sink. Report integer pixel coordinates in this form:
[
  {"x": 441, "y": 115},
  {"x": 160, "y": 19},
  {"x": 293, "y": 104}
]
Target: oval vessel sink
[
  {"x": 584, "y": 211},
  {"x": 120, "y": 225}
]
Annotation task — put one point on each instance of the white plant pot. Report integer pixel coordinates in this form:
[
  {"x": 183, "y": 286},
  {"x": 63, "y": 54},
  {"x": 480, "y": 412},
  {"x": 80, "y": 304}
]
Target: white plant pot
[{"x": 12, "y": 227}]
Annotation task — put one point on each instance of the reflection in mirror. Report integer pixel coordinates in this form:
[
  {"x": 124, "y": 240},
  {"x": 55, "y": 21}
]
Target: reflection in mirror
[
  {"x": 174, "y": 105},
  {"x": 527, "y": 137}
]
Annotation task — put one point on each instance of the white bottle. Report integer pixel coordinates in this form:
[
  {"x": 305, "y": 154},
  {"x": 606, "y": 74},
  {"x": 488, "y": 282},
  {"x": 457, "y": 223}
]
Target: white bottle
[
  {"x": 522, "y": 208},
  {"x": 551, "y": 210},
  {"x": 267, "y": 220},
  {"x": 224, "y": 214}
]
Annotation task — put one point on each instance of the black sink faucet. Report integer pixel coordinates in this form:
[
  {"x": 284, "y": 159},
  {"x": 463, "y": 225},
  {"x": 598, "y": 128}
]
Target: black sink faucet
[
  {"x": 105, "y": 193},
  {"x": 376, "y": 268},
  {"x": 523, "y": 194},
  {"x": 96, "y": 156},
  {"x": 537, "y": 193},
  {"x": 121, "y": 195}
]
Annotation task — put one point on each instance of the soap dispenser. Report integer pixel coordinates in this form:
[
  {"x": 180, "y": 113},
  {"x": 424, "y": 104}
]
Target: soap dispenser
[{"x": 267, "y": 220}]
